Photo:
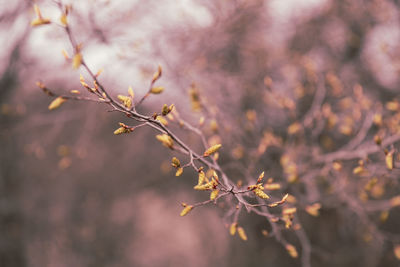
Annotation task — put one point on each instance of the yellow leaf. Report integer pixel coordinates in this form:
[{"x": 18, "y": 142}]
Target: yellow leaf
[
  {"x": 242, "y": 233},
  {"x": 292, "y": 251},
  {"x": 392, "y": 105},
  {"x": 273, "y": 186},
  {"x": 214, "y": 194},
  {"x": 294, "y": 128},
  {"x": 166, "y": 140},
  {"x": 126, "y": 100},
  {"x": 212, "y": 150},
  {"x": 233, "y": 228},
  {"x": 120, "y": 130},
  {"x": 162, "y": 120},
  {"x": 358, "y": 170},
  {"x": 389, "y": 160},
  {"x": 258, "y": 192},
  {"x": 130, "y": 92},
  {"x": 56, "y": 103},
  {"x": 186, "y": 210},
  {"x": 289, "y": 211},
  {"x": 64, "y": 20},
  {"x": 75, "y": 92},
  {"x": 175, "y": 162},
  {"x": 260, "y": 177},
  {"x": 77, "y": 60},
  {"x": 157, "y": 90},
  {"x": 384, "y": 216},
  {"x": 202, "y": 178},
  {"x": 337, "y": 166},
  {"x": 40, "y": 21},
  {"x": 313, "y": 209},
  {"x": 157, "y": 75},
  {"x": 179, "y": 171}
]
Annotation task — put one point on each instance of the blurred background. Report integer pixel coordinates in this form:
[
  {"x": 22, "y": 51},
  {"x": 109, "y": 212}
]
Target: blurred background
[{"x": 74, "y": 194}]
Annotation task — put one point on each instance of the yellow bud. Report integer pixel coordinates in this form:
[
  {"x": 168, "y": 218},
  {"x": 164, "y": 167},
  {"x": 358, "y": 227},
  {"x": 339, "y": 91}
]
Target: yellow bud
[
  {"x": 122, "y": 130},
  {"x": 289, "y": 211},
  {"x": 157, "y": 75},
  {"x": 131, "y": 93},
  {"x": 186, "y": 210},
  {"x": 157, "y": 90},
  {"x": 166, "y": 140},
  {"x": 389, "y": 160},
  {"x": 358, "y": 170},
  {"x": 179, "y": 171},
  {"x": 165, "y": 110},
  {"x": 273, "y": 186},
  {"x": 232, "y": 228},
  {"x": 258, "y": 192},
  {"x": 64, "y": 20},
  {"x": 77, "y": 60},
  {"x": 242, "y": 233},
  {"x": 175, "y": 162},
  {"x": 162, "y": 120},
  {"x": 294, "y": 128},
  {"x": 212, "y": 150},
  {"x": 202, "y": 178},
  {"x": 214, "y": 194},
  {"x": 126, "y": 100},
  {"x": 56, "y": 103},
  {"x": 40, "y": 21},
  {"x": 260, "y": 177},
  {"x": 292, "y": 251},
  {"x": 313, "y": 209}
]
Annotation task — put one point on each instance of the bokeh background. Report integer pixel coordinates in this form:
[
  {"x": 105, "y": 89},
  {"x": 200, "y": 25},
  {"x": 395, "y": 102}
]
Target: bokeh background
[{"x": 73, "y": 194}]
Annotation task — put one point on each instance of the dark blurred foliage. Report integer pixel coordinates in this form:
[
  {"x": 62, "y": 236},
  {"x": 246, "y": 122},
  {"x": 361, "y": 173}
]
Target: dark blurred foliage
[{"x": 73, "y": 194}]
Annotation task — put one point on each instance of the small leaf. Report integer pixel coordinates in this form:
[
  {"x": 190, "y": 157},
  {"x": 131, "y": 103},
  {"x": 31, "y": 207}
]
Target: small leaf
[
  {"x": 260, "y": 177},
  {"x": 40, "y": 21},
  {"x": 261, "y": 194},
  {"x": 272, "y": 186},
  {"x": 77, "y": 60},
  {"x": 64, "y": 20},
  {"x": 179, "y": 171},
  {"x": 165, "y": 110},
  {"x": 292, "y": 250},
  {"x": 175, "y": 162},
  {"x": 358, "y": 170},
  {"x": 126, "y": 100},
  {"x": 233, "y": 228},
  {"x": 313, "y": 209},
  {"x": 186, "y": 210},
  {"x": 130, "y": 92},
  {"x": 202, "y": 178},
  {"x": 212, "y": 150},
  {"x": 162, "y": 120},
  {"x": 166, "y": 140},
  {"x": 56, "y": 103},
  {"x": 289, "y": 211},
  {"x": 242, "y": 233},
  {"x": 157, "y": 90},
  {"x": 389, "y": 160},
  {"x": 214, "y": 194},
  {"x": 157, "y": 75},
  {"x": 294, "y": 128}
]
